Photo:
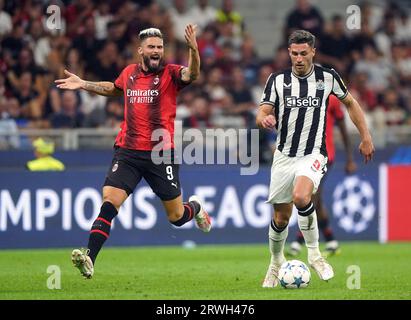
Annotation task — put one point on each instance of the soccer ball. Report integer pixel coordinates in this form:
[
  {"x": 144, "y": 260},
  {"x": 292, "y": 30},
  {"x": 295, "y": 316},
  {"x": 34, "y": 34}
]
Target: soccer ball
[{"x": 294, "y": 274}]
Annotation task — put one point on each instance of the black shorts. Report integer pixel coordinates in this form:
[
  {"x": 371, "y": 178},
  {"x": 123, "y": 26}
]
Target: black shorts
[{"x": 129, "y": 166}]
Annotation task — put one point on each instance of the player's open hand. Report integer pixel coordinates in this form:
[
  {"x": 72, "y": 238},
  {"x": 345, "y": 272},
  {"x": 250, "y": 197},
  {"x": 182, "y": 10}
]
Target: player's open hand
[
  {"x": 72, "y": 82},
  {"x": 190, "y": 36},
  {"x": 268, "y": 122},
  {"x": 367, "y": 149}
]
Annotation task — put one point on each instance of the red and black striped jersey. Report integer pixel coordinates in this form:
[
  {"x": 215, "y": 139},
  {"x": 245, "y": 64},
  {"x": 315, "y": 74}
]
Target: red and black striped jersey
[{"x": 149, "y": 104}]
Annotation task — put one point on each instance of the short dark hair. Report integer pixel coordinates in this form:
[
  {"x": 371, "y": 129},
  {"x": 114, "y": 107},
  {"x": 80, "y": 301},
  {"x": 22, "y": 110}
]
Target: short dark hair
[
  {"x": 302, "y": 36},
  {"x": 149, "y": 33}
]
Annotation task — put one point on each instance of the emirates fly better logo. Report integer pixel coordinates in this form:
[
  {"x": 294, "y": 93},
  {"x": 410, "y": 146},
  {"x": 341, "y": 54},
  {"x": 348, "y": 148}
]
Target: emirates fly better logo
[{"x": 142, "y": 96}]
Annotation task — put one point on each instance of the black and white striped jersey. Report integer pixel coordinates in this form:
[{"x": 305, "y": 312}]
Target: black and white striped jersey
[{"x": 300, "y": 108}]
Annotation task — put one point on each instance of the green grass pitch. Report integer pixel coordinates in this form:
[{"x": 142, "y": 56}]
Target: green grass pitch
[{"x": 233, "y": 272}]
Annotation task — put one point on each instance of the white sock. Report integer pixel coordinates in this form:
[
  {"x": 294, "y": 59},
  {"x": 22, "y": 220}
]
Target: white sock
[
  {"x": 309, "y": 228},
  {"x": 277, "y": 241}
]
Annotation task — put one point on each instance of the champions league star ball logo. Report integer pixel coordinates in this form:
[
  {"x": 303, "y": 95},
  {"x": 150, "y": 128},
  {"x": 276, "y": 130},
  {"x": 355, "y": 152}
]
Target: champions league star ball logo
[{"x": 354, "y": 206}]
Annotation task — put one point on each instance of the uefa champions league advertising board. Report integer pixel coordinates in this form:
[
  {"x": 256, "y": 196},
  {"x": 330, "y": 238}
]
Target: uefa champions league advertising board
[{"x": 57, "y": 209}]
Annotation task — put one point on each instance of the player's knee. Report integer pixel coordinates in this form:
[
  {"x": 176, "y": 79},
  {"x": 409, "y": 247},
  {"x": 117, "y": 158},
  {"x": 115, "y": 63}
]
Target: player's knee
[
  {"x": 281, "y": 221},
  {"x": 301, "y": 199}
]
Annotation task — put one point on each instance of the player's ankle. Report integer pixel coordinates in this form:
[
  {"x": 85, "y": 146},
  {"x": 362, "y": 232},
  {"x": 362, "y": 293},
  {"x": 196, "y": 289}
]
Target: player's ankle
[
  {"x": 278, "y": 259},
  {"x": 313, "y": 254}
]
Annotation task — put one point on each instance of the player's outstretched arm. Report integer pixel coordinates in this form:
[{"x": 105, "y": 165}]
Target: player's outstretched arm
[
  {"x": 265, "y": 119},
  {"x": 191, "y": 72},
  {"x": 74, "y": 82},
  {"x": 357, "y": 117}
]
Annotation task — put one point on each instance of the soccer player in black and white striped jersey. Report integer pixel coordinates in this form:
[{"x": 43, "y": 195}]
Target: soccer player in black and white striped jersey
[{"x": 294, "y": 103}]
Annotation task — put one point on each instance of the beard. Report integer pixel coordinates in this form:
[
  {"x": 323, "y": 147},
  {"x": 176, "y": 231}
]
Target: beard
[{"x": 153, "y": 66}]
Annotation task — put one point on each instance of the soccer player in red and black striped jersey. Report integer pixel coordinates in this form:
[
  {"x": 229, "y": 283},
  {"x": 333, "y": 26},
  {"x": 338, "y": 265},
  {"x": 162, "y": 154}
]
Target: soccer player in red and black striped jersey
[{"x": 150, "y": 89}]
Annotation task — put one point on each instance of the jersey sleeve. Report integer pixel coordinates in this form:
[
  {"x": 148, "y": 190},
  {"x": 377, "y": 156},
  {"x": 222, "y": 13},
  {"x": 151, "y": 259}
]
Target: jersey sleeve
[
  {"x": 121, "y": 79},
  {"x": 339, "y": 88},
  {"x": 175, "y": 72},
  {"x": 270, "y": 94}
]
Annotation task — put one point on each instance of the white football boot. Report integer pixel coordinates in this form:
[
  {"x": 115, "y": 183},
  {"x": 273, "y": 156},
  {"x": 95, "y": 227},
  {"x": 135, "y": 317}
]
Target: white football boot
[
  {"x": 83, "y": 262},
  {"x": 323, "y": 269},
  {"x": 202, "y": 218},
  {"x": 271, "y": 278}
]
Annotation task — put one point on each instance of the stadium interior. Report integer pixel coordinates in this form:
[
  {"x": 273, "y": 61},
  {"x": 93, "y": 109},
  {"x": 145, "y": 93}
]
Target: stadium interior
[{"x": 241, "y": 43}]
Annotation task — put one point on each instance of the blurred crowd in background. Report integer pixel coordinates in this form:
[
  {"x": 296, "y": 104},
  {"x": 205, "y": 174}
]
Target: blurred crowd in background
[{"x": 97, "y": 39}]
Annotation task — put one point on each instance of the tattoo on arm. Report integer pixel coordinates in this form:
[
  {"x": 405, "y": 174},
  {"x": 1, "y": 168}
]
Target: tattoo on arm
[
  {"x": 186, "y": 75},
  {"x": 102, "y": 88}
]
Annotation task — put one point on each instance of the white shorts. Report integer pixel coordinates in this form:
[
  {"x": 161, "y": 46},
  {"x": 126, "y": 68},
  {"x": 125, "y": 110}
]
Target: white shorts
[{"x": 285, "y": 170}]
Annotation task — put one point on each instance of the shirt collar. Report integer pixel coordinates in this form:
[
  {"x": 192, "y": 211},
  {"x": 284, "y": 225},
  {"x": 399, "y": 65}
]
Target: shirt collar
[
  {"x": 306, "y": 76},
  {"x": 148, "y": 73}
]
